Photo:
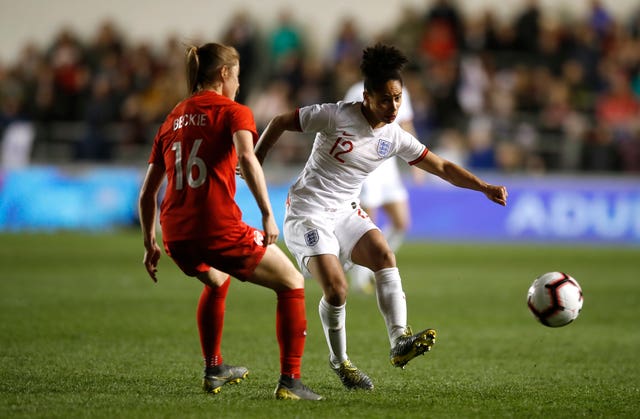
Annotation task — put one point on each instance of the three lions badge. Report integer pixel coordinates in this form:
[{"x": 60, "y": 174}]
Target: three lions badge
[
  {"x": 311, "y": 237},
  {"x": 384, "y": 147}
]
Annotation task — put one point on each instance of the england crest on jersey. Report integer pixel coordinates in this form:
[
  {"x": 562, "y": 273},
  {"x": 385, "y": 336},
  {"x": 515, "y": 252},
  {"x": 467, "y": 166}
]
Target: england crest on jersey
[
  {"x": 384, "y": 147},
  {"x": 311, "y": 237}
]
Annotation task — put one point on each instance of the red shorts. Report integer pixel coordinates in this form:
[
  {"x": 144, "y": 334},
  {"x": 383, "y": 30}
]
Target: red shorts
[{"x": 237, "y": 255}]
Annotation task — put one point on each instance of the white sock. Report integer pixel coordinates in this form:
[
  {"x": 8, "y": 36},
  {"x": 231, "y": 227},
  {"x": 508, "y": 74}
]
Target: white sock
[
  {"x": 394, "y": 237},
  {"x": 391, "y": 302},
  {"x": 334, "y": 325}
]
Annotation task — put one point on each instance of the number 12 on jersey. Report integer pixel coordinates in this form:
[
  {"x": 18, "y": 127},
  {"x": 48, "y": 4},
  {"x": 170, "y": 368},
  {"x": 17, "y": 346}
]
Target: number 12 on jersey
[{"x": 347, "y": 147}]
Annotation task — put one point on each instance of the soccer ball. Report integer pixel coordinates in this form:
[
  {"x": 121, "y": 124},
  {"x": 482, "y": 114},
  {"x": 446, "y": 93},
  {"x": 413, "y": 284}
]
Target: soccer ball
[{"x": 555, "y": 299}]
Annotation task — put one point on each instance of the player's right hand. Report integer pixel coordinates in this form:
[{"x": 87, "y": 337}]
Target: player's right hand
[{"x": 497, "y": 194}]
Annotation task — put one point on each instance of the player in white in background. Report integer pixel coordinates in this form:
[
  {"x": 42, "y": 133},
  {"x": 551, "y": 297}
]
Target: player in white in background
[
  {"x": 326, "y": 230},
  {"x": 384, "y": 189}
]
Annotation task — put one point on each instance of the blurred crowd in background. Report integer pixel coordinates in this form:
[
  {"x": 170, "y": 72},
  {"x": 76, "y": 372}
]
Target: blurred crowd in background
[{"x": 537, "y": 93}]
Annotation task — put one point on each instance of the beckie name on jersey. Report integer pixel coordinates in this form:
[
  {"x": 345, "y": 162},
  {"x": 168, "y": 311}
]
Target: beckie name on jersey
[{"x": 187, "y": 119}]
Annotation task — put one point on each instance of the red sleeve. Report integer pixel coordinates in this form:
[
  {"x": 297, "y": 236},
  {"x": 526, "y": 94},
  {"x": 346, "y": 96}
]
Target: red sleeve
[
  {"x": 157, "y": 155},
  {"x": 243, "y": 120}
]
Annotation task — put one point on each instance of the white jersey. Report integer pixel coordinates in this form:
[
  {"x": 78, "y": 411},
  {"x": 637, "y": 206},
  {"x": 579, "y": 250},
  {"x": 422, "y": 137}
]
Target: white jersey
[{"x": 345, "y": 150}]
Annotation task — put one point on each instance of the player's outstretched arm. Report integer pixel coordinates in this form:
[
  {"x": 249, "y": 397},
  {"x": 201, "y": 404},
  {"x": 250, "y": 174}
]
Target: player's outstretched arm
[
  {"x": 279, "y": 124},
  {"x": 458, "y": 176}
]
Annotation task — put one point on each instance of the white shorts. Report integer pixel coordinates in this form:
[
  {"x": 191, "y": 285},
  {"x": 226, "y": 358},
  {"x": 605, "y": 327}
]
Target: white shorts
[
  {"x": 310, "y": 232},
  {"x": 383, "y": 185}
]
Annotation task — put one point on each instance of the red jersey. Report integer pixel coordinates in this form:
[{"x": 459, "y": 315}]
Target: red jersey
[{"x": 195, "y": 147}]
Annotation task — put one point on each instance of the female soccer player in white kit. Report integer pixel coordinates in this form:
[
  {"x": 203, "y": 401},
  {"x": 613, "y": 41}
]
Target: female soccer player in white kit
[
  {"x": 383, "y": 188},
  {"x": 326, "y": 230}
]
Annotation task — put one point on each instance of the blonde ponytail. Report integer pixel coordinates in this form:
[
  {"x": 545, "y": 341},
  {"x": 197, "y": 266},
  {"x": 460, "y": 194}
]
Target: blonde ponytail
[{"x": 193, "y": 67}]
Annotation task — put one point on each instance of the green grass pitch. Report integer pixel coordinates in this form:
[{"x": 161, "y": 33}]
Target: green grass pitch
[{"x": 85, "y": 333}]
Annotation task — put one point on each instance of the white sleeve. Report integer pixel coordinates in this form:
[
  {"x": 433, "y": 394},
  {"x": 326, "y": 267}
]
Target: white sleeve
[
  {"x": 410, "y": 149},
  {"x": 317, "y": 118}
]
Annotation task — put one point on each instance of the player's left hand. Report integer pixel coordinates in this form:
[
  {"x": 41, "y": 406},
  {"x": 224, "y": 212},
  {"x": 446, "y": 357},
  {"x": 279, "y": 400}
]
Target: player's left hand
[
  {"x": 151, "y": 258},
  {"x": 497, "y": 194},
  {"x": 271, "y": 230}
]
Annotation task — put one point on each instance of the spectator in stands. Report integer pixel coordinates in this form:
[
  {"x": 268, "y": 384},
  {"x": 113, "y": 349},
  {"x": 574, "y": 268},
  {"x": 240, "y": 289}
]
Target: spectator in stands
[
  {"x": 102, "y": 108},
  {"x": 600, "y": 153},
  {"x": 286, "y": 50},
  {"x": 527, "y": 26},
  {"x": 57, "y": 80},
  {"x": 241, "y": 33},
  {"x": 107, "y": 40},
  {"x": 269, "y": 101},
  {"x": 618, "y": 108},
  {"x": 600, "y": 20},
  {"x": 407, "y": 31},
  {"x": 443, "y": 28},
  {"x": 71, "y": 75},
  {"x": 16, "y": 130},
  {"x": 348, "y": 44},
  {"x": 481, "y": 147}
]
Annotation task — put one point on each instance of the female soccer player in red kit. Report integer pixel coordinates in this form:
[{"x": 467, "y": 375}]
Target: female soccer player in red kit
[{"x": 198, "y": 147}]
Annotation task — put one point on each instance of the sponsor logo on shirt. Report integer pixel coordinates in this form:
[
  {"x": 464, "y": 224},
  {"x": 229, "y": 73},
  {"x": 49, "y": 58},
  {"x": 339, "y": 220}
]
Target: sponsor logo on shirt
[
  {"x": 384, "y": 147},
  {"x": 311, "y": 237}
]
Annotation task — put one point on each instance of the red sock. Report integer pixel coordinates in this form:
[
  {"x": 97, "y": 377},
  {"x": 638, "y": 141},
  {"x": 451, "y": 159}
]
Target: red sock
[
  {"x": 291, "y": 330},
  {"x": 210, "y": 317}
]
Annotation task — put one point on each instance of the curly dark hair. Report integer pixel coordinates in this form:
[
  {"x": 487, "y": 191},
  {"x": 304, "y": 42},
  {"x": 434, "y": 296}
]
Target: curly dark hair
[{"x": 380, "y": 64}]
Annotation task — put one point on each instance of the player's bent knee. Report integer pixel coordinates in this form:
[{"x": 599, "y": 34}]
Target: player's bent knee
[
  {"x": 386, "y": 259},
  {"x": 277, "y": 270},
  {"x": 291, "y": 277},
  {"x": 336, "y": 291},
  {"x": 212, "y": 277}
]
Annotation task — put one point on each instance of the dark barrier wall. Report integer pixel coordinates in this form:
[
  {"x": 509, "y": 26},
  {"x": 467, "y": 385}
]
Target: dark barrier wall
[{"x": 597, "y": 210}]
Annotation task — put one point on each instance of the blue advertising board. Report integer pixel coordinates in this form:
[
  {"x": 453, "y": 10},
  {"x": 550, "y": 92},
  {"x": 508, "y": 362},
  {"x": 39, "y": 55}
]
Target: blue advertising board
[
  {"x": 549, "y": 209},
  {"x": 597, "y": 210},
  {"x": 49, "y": 198}
]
